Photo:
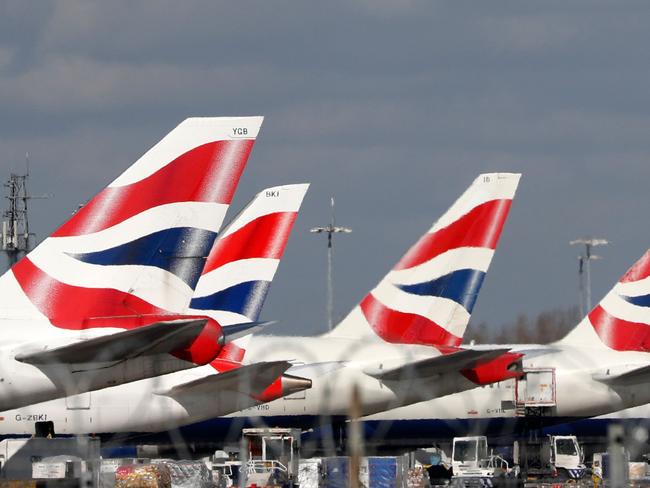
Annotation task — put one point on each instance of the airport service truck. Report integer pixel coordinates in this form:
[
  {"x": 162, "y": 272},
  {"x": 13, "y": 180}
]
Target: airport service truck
[
  {"x": 272, "y": 456},
  {"x": 553, "y": 458}
]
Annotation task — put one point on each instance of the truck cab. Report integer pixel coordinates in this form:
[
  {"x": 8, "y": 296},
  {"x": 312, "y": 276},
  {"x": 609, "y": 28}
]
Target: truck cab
[
  {"x": 555, "y": 456},
  {"x": 566, "y": 454},
  {"x": 467, "y": 453},
  {"x": 472, "y": 465}
]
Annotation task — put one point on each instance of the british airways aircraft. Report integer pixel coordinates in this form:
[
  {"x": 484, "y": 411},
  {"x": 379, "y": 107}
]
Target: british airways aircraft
[
  {"x": 602, "y": 366},
  {"x": 103, "y": 300},
  {"x": 399, "y": 345},
  {"x": 231, "y": 290}
]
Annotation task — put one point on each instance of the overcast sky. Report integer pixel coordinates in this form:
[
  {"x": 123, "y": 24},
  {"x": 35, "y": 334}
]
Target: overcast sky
[{"x": 393, "y": 107}]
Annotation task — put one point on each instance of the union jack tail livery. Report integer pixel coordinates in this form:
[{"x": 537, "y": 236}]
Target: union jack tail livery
[
  {"x": 621, "y": 321},
  {"x": 241, "y": 266},
  {"x": 428, "y": 297},
  {"x": 138, "y": 247}
]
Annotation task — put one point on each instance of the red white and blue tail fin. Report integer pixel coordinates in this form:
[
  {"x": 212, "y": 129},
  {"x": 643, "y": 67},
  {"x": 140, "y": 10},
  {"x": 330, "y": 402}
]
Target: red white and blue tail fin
[
  {"x": 241, "y": 266},
  {"x": 429, "y": 295},
  {"x": 621, "y": 321},
  {"x": 138, "y": 247}
]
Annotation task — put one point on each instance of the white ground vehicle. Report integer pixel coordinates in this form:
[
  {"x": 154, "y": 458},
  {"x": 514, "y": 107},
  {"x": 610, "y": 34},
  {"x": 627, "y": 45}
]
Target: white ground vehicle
[
  {"x": 557, "y": 456},
  {"x": 272, "y": 457},
  {"x": 473, "y": 466},
  {"x": 551, "y": 458}
]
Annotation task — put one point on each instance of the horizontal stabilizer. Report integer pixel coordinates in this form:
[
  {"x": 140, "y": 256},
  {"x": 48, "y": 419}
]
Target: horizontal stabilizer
[
  {"x": 236, "y": 331},
  {"x": 634, "y": 376},
  {"x": 315, "y": 370},
  {"x": 160, "y": 337},
  {"x": 446, "y": 363},
  {"x": 251, "y": 379}
]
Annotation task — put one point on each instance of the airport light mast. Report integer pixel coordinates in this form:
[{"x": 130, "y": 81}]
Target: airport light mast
[
  {"x": 330, "y": 230},
  {"x": 584, "y": 270}
]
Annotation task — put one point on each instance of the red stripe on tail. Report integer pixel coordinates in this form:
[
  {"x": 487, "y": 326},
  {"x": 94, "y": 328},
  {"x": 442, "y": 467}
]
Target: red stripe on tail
[
  {"x": 232, "y": 352},
  {"x": 74, "y": 307},
  {"x": 208, "y": 173},
  {"x": 405, "y": 328},
  {"x": 639, "y": 271},
  {"x": 620, "y": 334},
  {"x": 480, "y": 227},
  {"x": 264, "y": 237}
]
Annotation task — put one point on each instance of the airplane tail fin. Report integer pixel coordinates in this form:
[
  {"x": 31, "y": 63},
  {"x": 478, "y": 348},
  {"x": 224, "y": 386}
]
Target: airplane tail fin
[
  {"x": 621, "y": 321},
  {"x": 243, "y": 262},
  {"x": 138, "y": 247},
  {"x": 428, "y": 297}
]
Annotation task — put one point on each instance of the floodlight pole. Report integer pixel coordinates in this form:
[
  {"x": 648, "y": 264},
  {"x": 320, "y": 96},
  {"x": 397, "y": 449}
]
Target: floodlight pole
[
  {"x": 588, "y": 275},
  {"x": 581, "y": 284},
  {"x": 330, "y": 284},
  {"x": 585, "y": 265},
  {"x": 330, "y": 230}
]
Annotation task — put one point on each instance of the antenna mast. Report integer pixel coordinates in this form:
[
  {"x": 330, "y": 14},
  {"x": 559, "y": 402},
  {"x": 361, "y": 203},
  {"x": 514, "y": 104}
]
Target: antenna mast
[{"x": 15, "y": 237}]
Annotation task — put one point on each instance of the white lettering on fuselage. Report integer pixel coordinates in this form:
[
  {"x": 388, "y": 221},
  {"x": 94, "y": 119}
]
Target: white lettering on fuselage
[{"x": 36, "y": 417}]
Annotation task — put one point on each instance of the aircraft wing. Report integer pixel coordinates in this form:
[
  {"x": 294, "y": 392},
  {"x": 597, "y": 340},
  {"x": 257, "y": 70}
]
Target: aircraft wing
[
  {"x": 160, "y": 337},
  {"x": 315, "y": 370},
  {"x": 632, "y": 376},
  {"x": 446, "y": 363},
  {"x": 251, "y": 379}
]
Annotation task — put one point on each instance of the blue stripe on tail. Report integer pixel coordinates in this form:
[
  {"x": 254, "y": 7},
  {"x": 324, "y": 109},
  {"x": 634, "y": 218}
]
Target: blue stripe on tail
[
  {"x": 461, "y": 286},
  {"x": 639, "y": 301},
  {"x": 181, "y": 251},
  {"x": 244, "y": 298}
]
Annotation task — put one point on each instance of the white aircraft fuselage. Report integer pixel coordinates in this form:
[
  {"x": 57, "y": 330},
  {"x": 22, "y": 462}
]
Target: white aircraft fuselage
[
  {"x": 24, "y": 384},
  {"x": 140, "y": 407},
  {"x": 121, "y": 408}
]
